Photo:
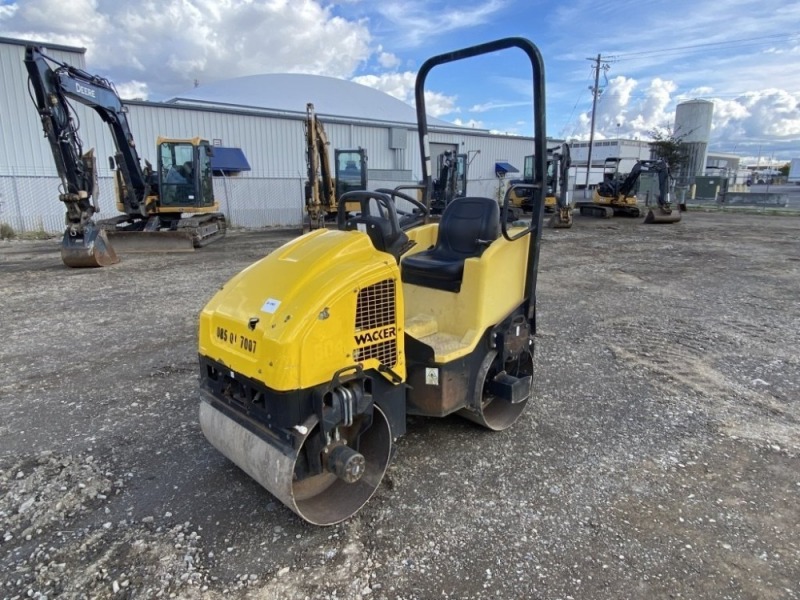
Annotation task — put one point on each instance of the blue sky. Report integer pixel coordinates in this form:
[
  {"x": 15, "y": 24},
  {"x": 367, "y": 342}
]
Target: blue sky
[{"x": 741, "y": 54}]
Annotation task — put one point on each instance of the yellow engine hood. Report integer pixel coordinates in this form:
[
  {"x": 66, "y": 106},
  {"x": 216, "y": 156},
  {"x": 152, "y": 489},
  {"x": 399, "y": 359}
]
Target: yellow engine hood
[{"x": 290, "y": 319}]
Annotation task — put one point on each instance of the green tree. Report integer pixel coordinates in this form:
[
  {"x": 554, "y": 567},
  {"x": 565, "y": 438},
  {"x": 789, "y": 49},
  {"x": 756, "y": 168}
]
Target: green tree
[
  {"x": 669, "y": 146},
  {"x": 784, "y": 170}
]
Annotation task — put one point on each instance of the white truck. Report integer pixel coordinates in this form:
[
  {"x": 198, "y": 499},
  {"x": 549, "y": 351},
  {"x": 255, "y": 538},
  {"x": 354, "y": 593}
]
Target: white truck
[{"x": 794, "y": 171}]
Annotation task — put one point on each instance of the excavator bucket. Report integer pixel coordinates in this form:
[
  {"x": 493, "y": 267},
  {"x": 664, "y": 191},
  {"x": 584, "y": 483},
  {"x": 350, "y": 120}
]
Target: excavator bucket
[
  {"x": 561, "y": 221},
  {"x": 658, "y": 215},
  {"x": 152, "y": 241},
  {"x": 90, "y": 249}
]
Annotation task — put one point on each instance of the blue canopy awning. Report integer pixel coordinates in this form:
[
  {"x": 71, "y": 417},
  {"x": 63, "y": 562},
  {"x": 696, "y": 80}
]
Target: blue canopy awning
[
  {"x": 229, "y": 159},
  {"x": 504, "y": 167}
]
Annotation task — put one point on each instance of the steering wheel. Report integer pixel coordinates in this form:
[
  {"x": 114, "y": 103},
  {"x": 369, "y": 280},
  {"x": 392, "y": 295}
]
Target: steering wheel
[
  {"x": 410, "y": 219},
  {"x": 363, "y": 197},
  {"x": 417, "y": 204}
]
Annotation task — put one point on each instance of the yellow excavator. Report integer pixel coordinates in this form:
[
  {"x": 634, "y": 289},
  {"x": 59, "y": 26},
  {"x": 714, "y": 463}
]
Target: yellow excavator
[
  {"x": 616, "y": 196},
  {"x": 152, "y": 203},
  {"x": 312, "y": 358},
  {"x": 558, "y": 187},
  {"x": 324, "y": 186},
  {"x": 558, "y": 196},
  {"x": 522, "y": 196}
]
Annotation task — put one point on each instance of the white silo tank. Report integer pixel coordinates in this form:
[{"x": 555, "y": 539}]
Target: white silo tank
[{"x": 693, "y": 126}]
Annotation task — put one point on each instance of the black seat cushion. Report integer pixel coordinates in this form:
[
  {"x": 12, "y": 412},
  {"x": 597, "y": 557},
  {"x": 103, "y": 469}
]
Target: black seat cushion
[
  {"x": 467, "y": 227},
  {"x": 380, "y": 232}
]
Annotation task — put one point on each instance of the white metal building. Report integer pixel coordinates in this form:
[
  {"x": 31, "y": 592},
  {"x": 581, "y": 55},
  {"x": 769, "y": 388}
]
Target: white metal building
[
  {"x": 627, "y": 150},
  {"x": 261, "y": 115}
]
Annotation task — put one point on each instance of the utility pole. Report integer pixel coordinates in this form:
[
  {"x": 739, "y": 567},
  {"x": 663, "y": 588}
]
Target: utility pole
[
  {"x": 594, "y": 110},
  {"x": 595, "y": 93}
]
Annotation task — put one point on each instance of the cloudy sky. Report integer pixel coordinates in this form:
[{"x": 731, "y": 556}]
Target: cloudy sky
[{"x": 744, "y": 55}]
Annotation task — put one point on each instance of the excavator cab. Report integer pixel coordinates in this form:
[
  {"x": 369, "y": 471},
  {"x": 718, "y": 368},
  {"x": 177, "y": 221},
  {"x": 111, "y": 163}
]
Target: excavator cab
[
  {"x": 521, "y": 198},
  {"x": 552, "y": 182},
  {"x": 351, "y": 171},
  {"x": 184, "y": 168}
]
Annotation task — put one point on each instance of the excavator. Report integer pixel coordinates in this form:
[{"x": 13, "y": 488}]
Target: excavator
[
  {"x": 521, "y": 195},
  {"x": 450, "y": 182},
  {"x": 152, "y": 202},
  {"x": 323, "y": 189},
  {"x": 557, "y": 199},
  {"x": 312, "y": 358},
  {"x": 558, "y": 185},
  {"x": 615, "y": 196}
]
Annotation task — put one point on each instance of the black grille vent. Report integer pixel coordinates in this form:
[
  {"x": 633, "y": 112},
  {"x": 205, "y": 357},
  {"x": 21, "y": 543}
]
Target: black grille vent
[{"x": 376, "y": 309}]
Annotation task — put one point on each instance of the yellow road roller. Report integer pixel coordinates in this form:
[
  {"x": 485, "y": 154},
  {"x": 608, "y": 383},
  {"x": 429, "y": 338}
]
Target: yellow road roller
[{"x": 313, "y": 357}]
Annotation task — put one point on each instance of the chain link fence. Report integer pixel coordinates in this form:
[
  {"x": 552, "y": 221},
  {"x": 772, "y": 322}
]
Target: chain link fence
[{"x": 29, "y": 201}]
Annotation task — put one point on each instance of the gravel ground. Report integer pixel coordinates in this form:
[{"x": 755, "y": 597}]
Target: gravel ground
[{"x": 658, "y": 459}]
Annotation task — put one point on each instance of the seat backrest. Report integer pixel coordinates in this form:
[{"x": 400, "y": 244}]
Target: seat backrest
[
  {"x": 468, "y": 225},
  {"x": 379, "y": 231}
]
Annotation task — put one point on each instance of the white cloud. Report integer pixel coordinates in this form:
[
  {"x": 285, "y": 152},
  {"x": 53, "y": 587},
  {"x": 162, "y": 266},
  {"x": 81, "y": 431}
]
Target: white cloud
[
  {"x": 622, "y": 113},
  {"x": 470, "y": 123},
  {"x": 437, "y": 104},
  {"x": 174, "y": 42},
  {"x": 487, "y": 106},
  {"x": 388, "y": 60},
  {"x": 7, "y": 10},
  {"x": 416, "y": 22},
  {"x": 401, "y": 86},
  {"x": 771, "y": 113},
  {"x": 132, "y": 90}
]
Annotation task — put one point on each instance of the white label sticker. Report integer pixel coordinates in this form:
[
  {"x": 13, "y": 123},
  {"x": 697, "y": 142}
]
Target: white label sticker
[
  {"x": 362, "y": 227},
  {"x": 431, "y": 376},
  {"x": 270, "y": 306}
]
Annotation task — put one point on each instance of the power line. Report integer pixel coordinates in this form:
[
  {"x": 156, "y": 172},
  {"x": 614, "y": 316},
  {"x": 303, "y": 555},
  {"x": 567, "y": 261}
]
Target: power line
[
  {"x": 720, "y": 45},
  {"x": 569, "y": 119}
]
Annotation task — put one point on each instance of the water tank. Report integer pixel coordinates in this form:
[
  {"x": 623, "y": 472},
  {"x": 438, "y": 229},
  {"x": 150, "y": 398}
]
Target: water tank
[{"x": 693, "y": 126}]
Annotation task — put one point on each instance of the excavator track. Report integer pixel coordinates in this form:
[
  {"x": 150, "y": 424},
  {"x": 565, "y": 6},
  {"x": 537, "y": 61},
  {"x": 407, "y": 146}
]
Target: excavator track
[
  {"x": 139, "y": 236},
  {"x": 205, "y": 229},
  {"x": 591, "y": 209}
]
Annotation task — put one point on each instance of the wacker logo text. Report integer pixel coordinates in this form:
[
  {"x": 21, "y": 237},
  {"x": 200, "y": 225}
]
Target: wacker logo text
[{"x": 375, "y": 336}]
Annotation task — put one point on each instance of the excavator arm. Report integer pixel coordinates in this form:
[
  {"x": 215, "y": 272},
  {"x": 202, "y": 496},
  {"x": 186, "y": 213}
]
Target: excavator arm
[
  {"x": 320, "y": 187},
  {"x": 53, "y": 88},
  {"x": 629, "y": 183},
  {"x": 562, "y": 218},
  {"x": 663, "y": 213}
]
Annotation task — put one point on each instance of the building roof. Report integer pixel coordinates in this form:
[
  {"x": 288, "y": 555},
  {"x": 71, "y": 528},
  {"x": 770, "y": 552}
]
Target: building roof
[
  {"x": 20, "y": 42},
  {"x": 290, "y": 92}
]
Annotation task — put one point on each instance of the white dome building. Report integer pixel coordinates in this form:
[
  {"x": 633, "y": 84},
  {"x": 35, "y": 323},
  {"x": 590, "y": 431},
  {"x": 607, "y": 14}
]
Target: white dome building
[{"x": 288, "y": 93}]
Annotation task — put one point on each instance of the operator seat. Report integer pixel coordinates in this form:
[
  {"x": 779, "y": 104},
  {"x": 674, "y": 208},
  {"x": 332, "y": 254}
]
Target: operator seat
[
  {"x": 380, "y": 232},
  {"x": 467, "y": 227}
]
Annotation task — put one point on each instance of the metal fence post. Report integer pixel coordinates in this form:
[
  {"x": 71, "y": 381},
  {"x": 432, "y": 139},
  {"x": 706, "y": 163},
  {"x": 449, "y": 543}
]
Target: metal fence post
[
  {"x": 227, "y": 198},
  {"x": 15, "y": 191}
]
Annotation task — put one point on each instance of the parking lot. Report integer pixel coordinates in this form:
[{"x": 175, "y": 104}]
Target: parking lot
[{"x": 659, "y": 457}]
